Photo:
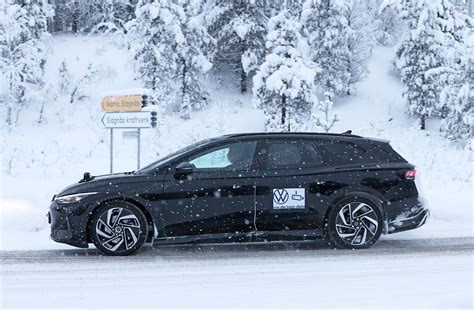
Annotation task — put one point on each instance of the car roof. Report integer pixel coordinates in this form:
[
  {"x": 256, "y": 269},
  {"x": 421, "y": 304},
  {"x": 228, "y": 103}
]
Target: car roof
[{"x": 347, "y": 134}]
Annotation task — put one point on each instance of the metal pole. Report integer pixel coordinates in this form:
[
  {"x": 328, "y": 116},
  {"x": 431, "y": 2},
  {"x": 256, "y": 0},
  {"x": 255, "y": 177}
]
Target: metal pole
[
  {"x": 138, "y": 149},
  {"x": 111, "y": 150}
]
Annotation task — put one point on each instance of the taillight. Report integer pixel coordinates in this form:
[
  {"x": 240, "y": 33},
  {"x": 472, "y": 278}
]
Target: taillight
[{"x": 410, "y": 174}]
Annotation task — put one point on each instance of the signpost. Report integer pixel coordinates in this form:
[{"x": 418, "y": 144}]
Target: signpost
[
  {"x": 128, "y": 103},
  {"x": 127, "y": 120},
  {"x": 125, "y": 112}
]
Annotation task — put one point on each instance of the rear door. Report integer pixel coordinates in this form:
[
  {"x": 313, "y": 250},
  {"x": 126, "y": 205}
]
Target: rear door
[
  {"x": 218, "y": 197},
  {"x": 285, "y": 202}
]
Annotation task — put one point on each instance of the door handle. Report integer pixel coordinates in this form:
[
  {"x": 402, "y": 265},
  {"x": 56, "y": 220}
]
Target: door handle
[{"x": 237, "y": 186}]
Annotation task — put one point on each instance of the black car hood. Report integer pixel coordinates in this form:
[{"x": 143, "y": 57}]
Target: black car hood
[{"x": 98, "y": 183}]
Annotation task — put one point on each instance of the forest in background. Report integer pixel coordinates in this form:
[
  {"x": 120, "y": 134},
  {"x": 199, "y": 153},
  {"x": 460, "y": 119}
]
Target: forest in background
[{"x": 296, "y": 58}]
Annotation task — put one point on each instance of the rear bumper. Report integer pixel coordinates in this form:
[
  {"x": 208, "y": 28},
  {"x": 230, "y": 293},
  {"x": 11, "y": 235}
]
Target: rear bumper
[{"x": 414, "y": 218}]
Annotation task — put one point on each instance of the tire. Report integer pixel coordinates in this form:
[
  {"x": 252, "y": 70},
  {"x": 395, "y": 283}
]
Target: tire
[
  {"x": 118, "y": 228},
  {"x": 354, "y": 223}
]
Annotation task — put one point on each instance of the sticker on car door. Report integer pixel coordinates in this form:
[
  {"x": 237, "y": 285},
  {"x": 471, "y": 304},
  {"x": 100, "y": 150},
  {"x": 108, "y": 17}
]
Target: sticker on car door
[{"x": 288, "y": 198}]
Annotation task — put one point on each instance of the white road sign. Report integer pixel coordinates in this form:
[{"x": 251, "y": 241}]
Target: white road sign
[{"x": 127, "y": 120}]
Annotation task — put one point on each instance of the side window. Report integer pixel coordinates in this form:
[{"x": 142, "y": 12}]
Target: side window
[
  {"x": 236, "y": 156},
  {"x": 342, "y": 153},
  {"x": 282, "y": 155},
  {"x": 293, "y": 154},
  {"x": 214, "y": 159}
]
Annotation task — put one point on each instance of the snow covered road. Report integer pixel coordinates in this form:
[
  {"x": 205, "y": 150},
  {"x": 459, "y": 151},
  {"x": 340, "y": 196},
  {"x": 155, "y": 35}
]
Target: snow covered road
[{"x": 435, "y": 273}]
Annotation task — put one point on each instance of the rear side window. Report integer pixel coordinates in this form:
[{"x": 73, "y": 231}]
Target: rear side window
[
  {"x": 292, "y": 154},
  {"x": 385, "y": 153},
  {"x": 343, "y": 153},
  {"x": 320, "y": 153},
  {"x": 337, "y": 153}
]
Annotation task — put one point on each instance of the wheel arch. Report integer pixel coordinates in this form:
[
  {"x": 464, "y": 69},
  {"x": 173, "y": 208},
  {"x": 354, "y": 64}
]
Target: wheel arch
[{"x": 149, "y": 218}]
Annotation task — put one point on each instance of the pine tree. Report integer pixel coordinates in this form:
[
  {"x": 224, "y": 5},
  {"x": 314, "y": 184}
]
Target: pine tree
[
  {"x": 111, "y": 17},
  {"x": 389, "y": 27},
  {"x": 283, "y": 85},
  {"x": 22, "y": 52},
  {"x": 458, "y": 96},
  {"x": 361, "y": 19},
  {"x": 456, "y": 78},
  {"x": 92, "y": 15},
  {"x": 172, "y": 51},
  {"x": 421, "y": 50},
  {"x": 327, "y": 28},
  {"x": 241, "y": 37}
]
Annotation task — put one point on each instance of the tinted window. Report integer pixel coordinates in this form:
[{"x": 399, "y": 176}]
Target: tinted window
[
  {"x": 337, "y": 153},
  {"x": 292, "y": 154},
  {"x": 383, "y": 152},
  {"x": 234, "y": 156}
]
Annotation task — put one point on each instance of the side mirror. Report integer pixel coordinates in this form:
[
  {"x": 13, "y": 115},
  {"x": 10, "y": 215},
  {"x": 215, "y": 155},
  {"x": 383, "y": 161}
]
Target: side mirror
[{"x": 183, "y": 170}]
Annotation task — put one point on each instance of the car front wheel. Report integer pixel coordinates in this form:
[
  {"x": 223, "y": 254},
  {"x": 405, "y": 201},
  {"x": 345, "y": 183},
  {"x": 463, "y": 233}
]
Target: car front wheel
[
  {"x": 118, "y": 228},
  {"x": 354, "y": 223}
]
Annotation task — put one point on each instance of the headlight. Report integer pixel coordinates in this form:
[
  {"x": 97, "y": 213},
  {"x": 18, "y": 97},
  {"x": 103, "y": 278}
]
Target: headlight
[{"x": 64, "y": 200}]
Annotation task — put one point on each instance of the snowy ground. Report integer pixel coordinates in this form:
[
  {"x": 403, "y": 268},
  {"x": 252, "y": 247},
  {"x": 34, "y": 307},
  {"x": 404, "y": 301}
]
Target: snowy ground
[
  {"x": 424, "y": 274},
  {"x": 427, "y": 267}
]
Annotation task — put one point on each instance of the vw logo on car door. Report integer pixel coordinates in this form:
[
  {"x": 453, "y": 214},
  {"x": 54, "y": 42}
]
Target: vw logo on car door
[
  {"x": 280, "y": 196},
  {"x": 288, "y": 198}
]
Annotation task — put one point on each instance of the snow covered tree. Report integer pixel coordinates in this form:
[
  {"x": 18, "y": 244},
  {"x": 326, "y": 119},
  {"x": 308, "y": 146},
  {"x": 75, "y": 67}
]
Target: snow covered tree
[
  {"x": 22, "y": 52},
  {"x": 92, "y": 15},
  {"x": 241, "y": 37},
  {"x": 458, "y": 96},
  {"x": 326, "y": 121},
  {"x": 422, "y": 49},
  {"x": 361, "y": 19},
  {"x": 111, "y": 17},
  {"x": 456, "y": 79},
  {"x": 75, "y": 15},
  {"x": 283, "y": 84},
  {"x": 172, "y": 51},
  {"x": 328, "y": 31},
  {"x": 388, "y": 25}
]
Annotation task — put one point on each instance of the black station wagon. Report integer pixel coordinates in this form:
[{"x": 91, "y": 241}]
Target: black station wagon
[{"x": 245, "y": 188}]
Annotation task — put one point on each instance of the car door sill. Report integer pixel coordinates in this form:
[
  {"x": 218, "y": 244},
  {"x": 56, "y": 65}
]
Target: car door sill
[
  {"x": 237, "y": 237},
  {"x": 242, "y": 237},
  {"x": 304, "y": 233}
]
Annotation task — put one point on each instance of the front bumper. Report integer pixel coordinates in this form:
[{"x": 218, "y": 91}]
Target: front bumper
[
  {"x": 410, "y": 219},
  {"x": 67, "y": 227}
]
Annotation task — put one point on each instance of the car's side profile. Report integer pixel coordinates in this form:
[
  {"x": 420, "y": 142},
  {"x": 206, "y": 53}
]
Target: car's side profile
[{"x": 247, "y": 187}]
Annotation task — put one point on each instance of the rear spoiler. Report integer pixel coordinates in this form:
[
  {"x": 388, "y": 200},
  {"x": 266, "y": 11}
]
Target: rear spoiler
[
  {"x": 349, "y": 133},
  {"x": 379, "y": 140}
]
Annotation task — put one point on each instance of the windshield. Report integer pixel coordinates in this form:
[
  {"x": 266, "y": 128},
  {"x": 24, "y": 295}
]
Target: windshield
[{"x": 170, "y": 157}]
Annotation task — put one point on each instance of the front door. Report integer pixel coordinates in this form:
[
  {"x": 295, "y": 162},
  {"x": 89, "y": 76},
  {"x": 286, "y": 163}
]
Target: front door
[
  {"x": 218, "y": 197},
  {"x": 286, "y": 203}
]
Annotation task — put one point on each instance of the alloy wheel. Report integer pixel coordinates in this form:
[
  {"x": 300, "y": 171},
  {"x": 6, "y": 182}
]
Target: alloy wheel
[
  {"x": 357, "y": 223},
  {"x": 118, "y": 229}
]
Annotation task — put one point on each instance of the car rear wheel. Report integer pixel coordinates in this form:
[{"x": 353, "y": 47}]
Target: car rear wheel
[
  {"x": 118, "y": 228},
  {"x": 354, "y": 223}
]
